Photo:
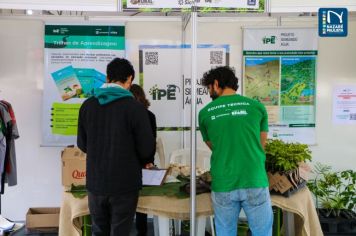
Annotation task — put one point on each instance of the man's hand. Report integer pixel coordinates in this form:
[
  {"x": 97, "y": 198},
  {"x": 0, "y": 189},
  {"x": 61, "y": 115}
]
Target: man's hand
[
  {"x": 149, "y": 166},
  {"x": 263, "y": 136}
]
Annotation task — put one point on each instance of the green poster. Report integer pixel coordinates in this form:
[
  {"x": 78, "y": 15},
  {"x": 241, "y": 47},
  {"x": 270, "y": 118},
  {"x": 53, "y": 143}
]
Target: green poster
[
  {"x": 75, "y": 62},
  {"x": 64, "y": 120}
]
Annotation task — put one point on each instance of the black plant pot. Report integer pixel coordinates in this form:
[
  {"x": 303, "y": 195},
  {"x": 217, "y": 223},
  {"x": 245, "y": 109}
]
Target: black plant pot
[{"x": 342, "y": 225}]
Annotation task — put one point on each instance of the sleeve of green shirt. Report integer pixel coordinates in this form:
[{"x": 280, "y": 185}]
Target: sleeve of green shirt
[
  {"x": 202, "y": 128},
  {"x": 264, "y": 120}
]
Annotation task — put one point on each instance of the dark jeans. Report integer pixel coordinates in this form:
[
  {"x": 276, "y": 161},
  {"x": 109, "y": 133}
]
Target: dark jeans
[
  {"x": 141, "y": 224},
  {"x": 112, "y": 215}
]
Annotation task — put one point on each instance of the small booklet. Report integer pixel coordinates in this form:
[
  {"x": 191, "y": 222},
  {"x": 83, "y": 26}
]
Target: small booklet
[
  {"x": 67, "y": 83},
  {"x": 153, "y": 177},
  {"x": 86, "y": 78}
]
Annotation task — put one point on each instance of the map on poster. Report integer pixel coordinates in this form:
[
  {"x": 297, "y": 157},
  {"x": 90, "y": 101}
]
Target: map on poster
[
  {"x": 75, "y": 63},
  {"x": 165, "y": 74},
  {"x": 280, "y": 72}
]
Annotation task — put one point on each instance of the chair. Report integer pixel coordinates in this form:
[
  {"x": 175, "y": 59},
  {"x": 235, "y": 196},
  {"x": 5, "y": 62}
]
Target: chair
[
  {"x": 182, "y": 157},
  {"x": 160, "y": 152}
]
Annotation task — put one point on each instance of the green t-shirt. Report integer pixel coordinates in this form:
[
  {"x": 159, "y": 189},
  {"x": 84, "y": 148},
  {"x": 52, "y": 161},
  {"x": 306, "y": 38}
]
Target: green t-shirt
[{"x": 233, "y": 124}]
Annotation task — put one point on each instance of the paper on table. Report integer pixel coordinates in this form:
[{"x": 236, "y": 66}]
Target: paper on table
[{"x": 153, "y": 176}]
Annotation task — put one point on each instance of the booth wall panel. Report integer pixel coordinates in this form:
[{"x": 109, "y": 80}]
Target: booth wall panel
[{"x": 21, "y": 83}]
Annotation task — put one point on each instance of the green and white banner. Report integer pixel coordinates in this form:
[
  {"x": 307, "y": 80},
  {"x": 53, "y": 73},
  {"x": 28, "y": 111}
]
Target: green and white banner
[
  {"x": 75, "y": 63},
  {"x": 280, "y": 71},
  {"x": 165, "y": 74},
  {"x": 250, "y": 4}
]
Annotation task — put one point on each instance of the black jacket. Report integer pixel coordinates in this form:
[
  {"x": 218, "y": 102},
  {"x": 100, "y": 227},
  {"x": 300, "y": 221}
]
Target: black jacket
[{"x": 117, "y": 138}]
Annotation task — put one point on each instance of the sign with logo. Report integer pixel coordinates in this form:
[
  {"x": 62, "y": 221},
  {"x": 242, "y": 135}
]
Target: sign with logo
[
  {"x": 165, "y": 74},
  {"x": 268, "y": 41},
  {"x": 333, "y": 22},
  {"x": 253, "y": 4},
  {"x": 280, "y": 72}
]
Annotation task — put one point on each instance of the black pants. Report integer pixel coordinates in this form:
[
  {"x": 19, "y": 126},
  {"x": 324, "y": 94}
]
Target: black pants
[
  {"x": 141, "y": 224},
  {"x": 112, "y": 215}
]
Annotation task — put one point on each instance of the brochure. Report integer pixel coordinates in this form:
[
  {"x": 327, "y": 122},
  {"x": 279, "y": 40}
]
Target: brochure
[
  {"x": 67, "y": 83},
  {"x": 86, "y": 77},
  {"x": 99, "y": 79}
]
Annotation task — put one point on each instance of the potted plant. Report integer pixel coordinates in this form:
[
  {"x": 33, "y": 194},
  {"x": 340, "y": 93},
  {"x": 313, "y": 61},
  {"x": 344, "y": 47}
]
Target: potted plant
[
  {"x": 282, "y": 164},
  {"x": 335, "y": 194}
]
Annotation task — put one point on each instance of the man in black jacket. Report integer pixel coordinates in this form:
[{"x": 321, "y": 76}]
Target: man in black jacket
[{"x": 114, "y": 131}]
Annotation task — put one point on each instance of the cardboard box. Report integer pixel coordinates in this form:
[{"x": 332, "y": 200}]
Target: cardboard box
[
  {"x": 73, "y": 166},
  {"x": 42, "y": 217}
]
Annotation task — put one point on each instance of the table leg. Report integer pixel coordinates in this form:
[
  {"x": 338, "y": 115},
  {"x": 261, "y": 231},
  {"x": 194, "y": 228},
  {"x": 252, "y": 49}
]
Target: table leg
[
  {"x": 163, "y": 225},
  {"x": 155, "y": 225},
  {"x": 201, "y": 223},
  {"x": 177, "y": 227},
  {"x": 288, "y": 222}
]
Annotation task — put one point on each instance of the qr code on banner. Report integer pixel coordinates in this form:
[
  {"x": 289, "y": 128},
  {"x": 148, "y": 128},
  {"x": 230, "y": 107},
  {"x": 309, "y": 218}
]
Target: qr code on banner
[
  {"x": 216, "y": 57},
  {"x": 151, "y": 58},
  {"x": 353, "y": 116}
]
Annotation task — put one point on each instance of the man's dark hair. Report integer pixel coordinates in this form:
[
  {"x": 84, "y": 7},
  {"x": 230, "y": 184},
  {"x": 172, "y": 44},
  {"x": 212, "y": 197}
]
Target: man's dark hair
[
  {"x": 225, "y": 76},
  {"x": 119, "y": 69}
]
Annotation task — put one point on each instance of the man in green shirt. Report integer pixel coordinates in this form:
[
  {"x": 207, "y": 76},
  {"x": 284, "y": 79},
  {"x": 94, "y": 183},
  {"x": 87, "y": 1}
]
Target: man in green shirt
[{"x": 235, "y": 129}]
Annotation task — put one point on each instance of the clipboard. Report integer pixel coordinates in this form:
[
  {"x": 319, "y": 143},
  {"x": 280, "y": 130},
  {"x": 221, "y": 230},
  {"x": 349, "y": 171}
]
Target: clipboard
[{"x": 153, "y": 177}]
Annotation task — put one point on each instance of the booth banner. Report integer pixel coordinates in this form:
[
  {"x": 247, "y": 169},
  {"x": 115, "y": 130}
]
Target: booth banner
[
  {"x": 280, "y": 71},
  {"x": 344, "y": 104},
  {"x": 165, "y": 74},
  {"x": 252, "y": 4},
  {"x": 75, "y": 57}
]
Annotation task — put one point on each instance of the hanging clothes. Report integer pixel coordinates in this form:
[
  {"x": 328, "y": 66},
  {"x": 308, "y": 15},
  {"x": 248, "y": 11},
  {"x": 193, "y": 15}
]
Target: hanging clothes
[
  {"x": 8, "y": 167},
  {"x": 2, "y": 151}
]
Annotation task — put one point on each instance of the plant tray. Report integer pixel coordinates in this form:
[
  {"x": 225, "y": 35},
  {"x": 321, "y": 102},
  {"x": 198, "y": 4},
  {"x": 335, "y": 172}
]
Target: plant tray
[
  {"x": 343, "y": 225},
  {"x": 290, "y": 191}
]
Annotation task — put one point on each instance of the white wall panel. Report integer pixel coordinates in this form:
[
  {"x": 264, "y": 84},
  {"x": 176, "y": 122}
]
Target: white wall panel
[{"x": 309, "y": 5}]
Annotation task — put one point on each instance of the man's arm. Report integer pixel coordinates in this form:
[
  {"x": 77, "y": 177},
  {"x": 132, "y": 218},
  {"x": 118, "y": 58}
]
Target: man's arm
[
  {"x": 144, "y": 138},
  {"x": 82, "y": 134},
  {"x": 263, "y": 137}
]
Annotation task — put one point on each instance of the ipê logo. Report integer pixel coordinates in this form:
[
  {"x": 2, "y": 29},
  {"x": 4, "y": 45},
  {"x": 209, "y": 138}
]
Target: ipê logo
[
  {"x": 169, "y": 93},
  {"x": 76, "y": 174},
  {"x": 269, "y": 40}
]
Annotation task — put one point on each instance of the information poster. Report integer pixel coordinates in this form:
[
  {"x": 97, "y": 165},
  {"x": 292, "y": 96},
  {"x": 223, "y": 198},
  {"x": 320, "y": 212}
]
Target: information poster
[
  {"x": 280, "y": 72},
  {"x": 76, "y": 57},
  {"x": 344, "y": 105},
  {"x": 165, "y": 74}
]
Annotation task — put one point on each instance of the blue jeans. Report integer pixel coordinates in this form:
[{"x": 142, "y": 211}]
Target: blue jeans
[{"x": 255, "y": 202}]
